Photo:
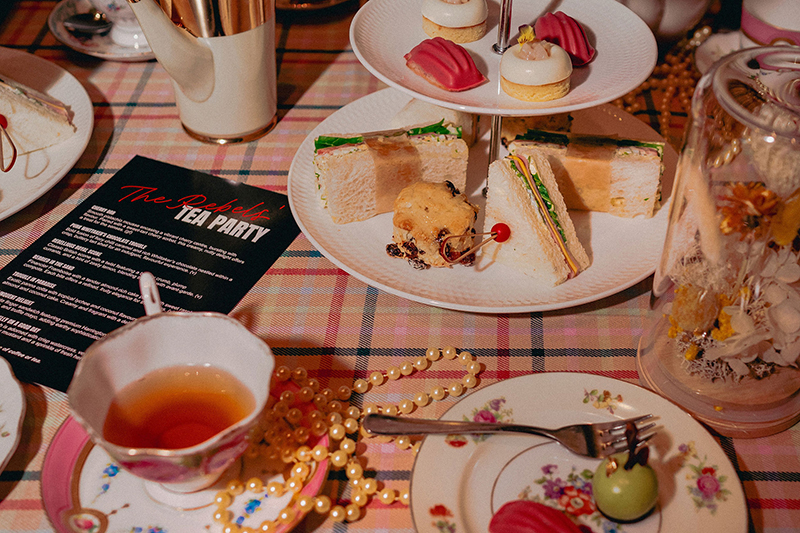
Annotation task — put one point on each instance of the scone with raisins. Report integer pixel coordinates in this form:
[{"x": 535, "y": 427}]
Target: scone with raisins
[{"x": 424, "y": 215}]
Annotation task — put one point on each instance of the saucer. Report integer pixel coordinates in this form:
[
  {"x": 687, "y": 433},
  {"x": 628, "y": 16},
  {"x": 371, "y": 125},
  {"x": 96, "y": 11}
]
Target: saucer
[
  {"x": 83, "y": 490},
  {"x": 94, "y": 45},
  {"x": 715, "y": 47},
  {"x": 12, "y": 412}
]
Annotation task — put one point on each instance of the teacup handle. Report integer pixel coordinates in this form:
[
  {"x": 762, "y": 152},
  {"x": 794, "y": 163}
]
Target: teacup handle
[{"x": 149, "y": 291}]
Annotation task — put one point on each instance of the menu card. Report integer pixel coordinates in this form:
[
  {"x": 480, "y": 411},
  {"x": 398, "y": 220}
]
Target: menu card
[{"x": 207, "y": 240}]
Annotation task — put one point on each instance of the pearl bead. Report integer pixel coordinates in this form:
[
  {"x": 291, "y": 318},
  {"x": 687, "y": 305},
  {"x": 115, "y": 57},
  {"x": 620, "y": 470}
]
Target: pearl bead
[
  {"x": 313, "y": 383},
  {"x": 319, "y": 453},
  {"x": 370, "y": 485},
  {"x": 299, "y": 374},
  {"x": 281, "y": 408},
  {"x": 343, "y": 393},
  {"x": 232, "y": 527},
  {"x": 387, "y": 496},
  {"x": 223, "y": 499},
  {"x": 255, "y": 484},
  {"x": 406, "y": 368},
  {"x": 469, "y": 381},
  {"x": 352, "y": 512},
  {"x": 328, "y": 394},
  {"x": 303, "y": 453},
  {"x": 390, "y": 410},
  {"x": 348, "y": 446},
  {"x": 339, "y": 458},
  {"x": 282, "y": 373},
  {"x": 415, "y": 446},
  {"x": 465, "y": 358},
  {"x": 315, "y": 416},
  {"x": 337, "y": 432},
  {"x": 305, "y": 394},
  {"x": 305, "y": 503},
  {"x": 393, "y": 373},
  {"x": 456, "y": 389},
  {"x": 406, "y": 406},
  {"x": 376, "y": 378},
  {"x": 287, "y": 455},
  {"x": 361, "y": 386},
  {"x": 294, "y": 415},
  {"x": 287, "y": 515},
  {"x": 405, "y": 497},
  {"x": 301, "y": 434},
  {"x": 319, "y": 428},
  {"x": 449, "y": 352},
  {"x": 370, "y": 409},
  {"x": 351, "y": 425},
  {"x": 438, "y": 392},
  {"x": 421, "y": 399},
  {"x": 433, "y": 354},
  {"x": 267, "y": 526},
  {"x": 335, "y": 418},
  {"x": 294, "y": 484},
  {"x": 354, "y": 470},
  {"x": 222, "y": 515},
  {"x": 353, "y": 412},
  {"x": 322, "y": 504},
  {"x": 301, "y": 470},
  {"x": 360, "y": 498},
  {"x": 474, "y": 368},
  {"x": 320, "y": 402},
  {"x": 235, "y": 487},
  {"x": 275, "y": 489},
  {"x": 421, "y": 363},
  {"x": 403, "y": 442},
  {"x": 337, "y": 513}
]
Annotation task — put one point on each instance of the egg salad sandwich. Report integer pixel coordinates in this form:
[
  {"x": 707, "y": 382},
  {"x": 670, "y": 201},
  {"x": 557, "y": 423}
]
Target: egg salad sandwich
[
  {"x": 543, "y": 244},
  {"x": 596, "y": 173},
  {"x": 360, "y": 175}
]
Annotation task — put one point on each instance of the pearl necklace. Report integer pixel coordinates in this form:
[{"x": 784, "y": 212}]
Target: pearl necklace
[{"x": 288, "y": 429}]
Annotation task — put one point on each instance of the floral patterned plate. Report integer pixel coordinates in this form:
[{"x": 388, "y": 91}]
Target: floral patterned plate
[
  {"x": 84, "y": 491},
  {"x": 12, "y": 412},
  {"x": 460, "y": 481}
]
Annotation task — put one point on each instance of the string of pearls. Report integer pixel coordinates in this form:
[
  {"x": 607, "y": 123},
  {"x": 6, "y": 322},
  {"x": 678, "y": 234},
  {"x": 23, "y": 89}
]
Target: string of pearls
[
  {"x": 673, "y": 80},
  {"x": 303, "y": 410}
]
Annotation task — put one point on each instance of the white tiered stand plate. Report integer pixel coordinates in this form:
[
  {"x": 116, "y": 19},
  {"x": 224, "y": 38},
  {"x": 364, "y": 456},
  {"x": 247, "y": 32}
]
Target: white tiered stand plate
[{"x": 626, "y": 54}]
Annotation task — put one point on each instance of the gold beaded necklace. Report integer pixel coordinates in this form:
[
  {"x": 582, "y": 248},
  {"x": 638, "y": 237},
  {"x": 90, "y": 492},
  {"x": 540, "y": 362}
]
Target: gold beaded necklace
[{"x": 288, "y": 429}]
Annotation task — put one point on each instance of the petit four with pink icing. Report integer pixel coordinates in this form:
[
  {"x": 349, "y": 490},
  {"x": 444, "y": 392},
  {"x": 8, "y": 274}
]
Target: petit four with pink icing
[
  {"x": 563, "y": 30},
  {"x": 444, "y": 64}
]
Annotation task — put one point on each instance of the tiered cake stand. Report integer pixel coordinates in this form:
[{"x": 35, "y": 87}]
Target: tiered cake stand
[{"x": 383, "y": 31}]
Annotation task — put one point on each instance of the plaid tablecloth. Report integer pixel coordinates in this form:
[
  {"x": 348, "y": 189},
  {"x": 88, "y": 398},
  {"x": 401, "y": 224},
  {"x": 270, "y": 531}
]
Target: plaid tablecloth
[{"x": 312, "y": 313}]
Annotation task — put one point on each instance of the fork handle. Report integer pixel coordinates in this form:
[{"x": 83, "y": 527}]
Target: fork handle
[{"x": 393, "y": 425}]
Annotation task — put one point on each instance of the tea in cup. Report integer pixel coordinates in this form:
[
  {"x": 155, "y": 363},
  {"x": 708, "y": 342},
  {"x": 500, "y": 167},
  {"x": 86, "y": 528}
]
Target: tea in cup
[{"x": 173, "y": 397}]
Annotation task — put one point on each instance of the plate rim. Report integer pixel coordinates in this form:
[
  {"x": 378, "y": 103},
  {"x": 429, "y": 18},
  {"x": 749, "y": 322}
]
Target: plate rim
[
  {"x": 390, "y": 92},
  {"x": 539, "y": 108},
  {"x": 81, "y": 102},
  {"x": 54, "y": 23},
  {"x": 581, "y": 378},
  {"x": 11, "y": 391}
]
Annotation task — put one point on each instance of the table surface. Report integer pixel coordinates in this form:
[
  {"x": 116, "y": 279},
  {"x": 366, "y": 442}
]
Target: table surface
[{"x": 312, "y": 313}]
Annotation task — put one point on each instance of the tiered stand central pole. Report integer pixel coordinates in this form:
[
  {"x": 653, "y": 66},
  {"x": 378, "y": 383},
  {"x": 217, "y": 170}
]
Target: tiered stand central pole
[{"x": 503, "y": 34}]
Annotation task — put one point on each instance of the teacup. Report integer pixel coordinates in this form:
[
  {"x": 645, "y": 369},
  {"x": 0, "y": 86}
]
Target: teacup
[
  {"x": 160, "y": 350},
  {"x": 770, "y": 23}
]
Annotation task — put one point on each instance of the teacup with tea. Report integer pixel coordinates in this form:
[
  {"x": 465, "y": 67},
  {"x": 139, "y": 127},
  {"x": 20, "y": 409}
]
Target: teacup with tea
[{"x": 173, "y": 397}]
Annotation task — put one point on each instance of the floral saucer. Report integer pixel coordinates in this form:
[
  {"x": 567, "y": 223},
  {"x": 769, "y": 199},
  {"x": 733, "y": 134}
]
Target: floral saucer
[
  {"x": 460, "y": 481},
  {"x": 12, "y": 412},
  {"x": 85, "y": 491}
]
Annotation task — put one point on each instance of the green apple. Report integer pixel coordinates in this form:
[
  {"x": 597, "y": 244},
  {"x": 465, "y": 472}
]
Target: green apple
[{"x": 624, "y": 495}]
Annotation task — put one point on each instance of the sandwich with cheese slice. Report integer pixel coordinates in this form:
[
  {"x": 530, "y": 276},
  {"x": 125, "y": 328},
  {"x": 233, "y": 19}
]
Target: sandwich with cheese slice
[
  {"x": 523, "y": 194},
  {"x": 359, "y": 176},
  {"x": 596, "y": 173}
]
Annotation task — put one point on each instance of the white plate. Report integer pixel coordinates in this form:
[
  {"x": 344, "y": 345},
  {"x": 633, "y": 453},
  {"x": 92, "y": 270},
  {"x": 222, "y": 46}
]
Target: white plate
[
  {"x": 715, "y": 47},
  {"x": 12, "y": 412},
  {"x": 37, "y": 172},
  {"x": 94, "y": 45},
  {"x": 471, "y": 477},
  {"x": 626, "y": 54},
  {"x": 623, "y": 251}
]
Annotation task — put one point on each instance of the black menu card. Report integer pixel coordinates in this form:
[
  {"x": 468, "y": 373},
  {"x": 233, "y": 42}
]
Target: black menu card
[{"x": 207, "y": 240}]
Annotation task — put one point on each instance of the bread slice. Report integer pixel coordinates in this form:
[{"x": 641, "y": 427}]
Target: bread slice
[
  {"x": 419, "y": 112},
  {"x": 595, "y": 173},
  {"x": 532, "y": 247},
  {"x": 35, "y": 120},
  {"x": 361, "y": 177}
]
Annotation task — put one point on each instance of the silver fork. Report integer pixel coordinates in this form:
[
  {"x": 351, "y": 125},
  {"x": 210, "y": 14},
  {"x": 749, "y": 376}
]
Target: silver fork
[{"x": 598, "y": 440}]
